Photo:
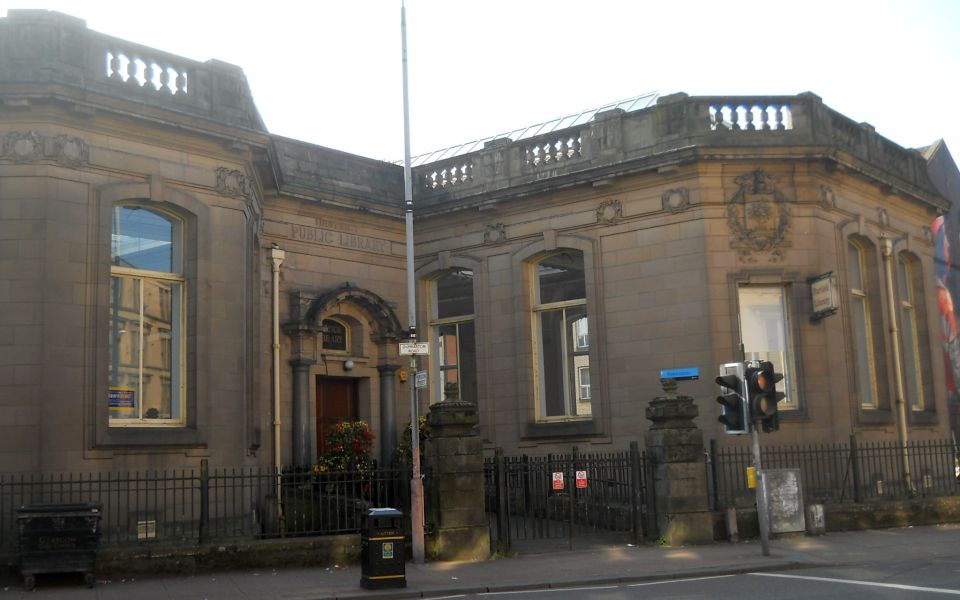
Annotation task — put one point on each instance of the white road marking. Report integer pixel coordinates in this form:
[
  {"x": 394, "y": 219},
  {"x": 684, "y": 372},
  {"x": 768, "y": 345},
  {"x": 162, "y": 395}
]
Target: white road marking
[
  {"x": 678, "y": 580},
  {"x": 898, "y": 586},
  {"x": 564, "y": 589}
]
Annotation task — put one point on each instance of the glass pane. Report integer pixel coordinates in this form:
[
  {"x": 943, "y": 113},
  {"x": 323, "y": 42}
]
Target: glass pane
[
  {"x": 124, "y": 347},
  {"x": 468, "y": 362},
  {"x": 861, "y": 335},
  {"x": 159, "y": 357},
  {"x": 903, "y": 274},
  {"x": 143, "y": 239},
  {"x": 911, "y": 362},
  {"x": 447, "y": 357},
  {"x": 333, "y": 335},
  {"x": 552, "y": 401},
  {"x": 560, "y": 277},
  {"x": 853, "y": 266},
  {"x": 455, "y": 294},
  {"x": 578, "y": 360},
  {"x": 764, "y": 330}
]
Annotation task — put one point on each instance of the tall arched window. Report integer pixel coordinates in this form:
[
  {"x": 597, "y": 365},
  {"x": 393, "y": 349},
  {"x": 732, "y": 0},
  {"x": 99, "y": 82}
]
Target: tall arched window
[
  {"x": 455, "y": 371},
  {"x": 147, "y": 320},
  {"x": 562, "y": 337},
  {"x": 860, "y": 317},
  {"x": 913, "y": 331}
]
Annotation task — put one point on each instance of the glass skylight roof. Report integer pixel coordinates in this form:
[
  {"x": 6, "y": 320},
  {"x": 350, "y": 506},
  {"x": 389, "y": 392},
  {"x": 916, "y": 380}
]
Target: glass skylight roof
[{"x": 628, "y": 105}]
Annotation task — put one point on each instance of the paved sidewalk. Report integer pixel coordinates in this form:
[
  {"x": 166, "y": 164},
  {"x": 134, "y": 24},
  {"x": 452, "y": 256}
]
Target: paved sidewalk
[{"x": 609, "y": 564}]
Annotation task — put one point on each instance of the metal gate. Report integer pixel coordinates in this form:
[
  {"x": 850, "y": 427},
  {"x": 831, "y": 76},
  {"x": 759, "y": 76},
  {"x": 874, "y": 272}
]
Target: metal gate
[{"x": 567, "y": 497}]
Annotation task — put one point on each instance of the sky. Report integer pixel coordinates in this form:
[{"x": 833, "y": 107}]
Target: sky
[{"x": 330, "y": 73}]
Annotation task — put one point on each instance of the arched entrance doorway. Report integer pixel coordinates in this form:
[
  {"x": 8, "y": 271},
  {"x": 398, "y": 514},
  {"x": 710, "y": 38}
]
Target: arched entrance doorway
[{"x": 344, "y": 347}]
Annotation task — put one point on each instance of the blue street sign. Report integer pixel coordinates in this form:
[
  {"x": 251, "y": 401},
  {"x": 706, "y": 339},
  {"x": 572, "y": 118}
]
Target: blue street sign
[{"x": 680, "y": 374}]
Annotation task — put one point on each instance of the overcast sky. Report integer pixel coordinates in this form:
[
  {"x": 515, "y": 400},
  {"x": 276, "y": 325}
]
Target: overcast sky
[{"x": 330, "y": 72}]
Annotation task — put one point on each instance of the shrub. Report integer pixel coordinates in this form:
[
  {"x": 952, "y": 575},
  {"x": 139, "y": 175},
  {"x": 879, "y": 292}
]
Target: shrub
[{"x": 348, "y": 448}]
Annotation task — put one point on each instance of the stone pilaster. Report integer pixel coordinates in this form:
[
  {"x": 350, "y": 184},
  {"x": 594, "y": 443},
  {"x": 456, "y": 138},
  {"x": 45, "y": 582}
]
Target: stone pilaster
[
  {"x": 454, "y": 456},
  {"x": 304, "y": 449},
  {"x": 675, "y": 445},
  {"x": 388, "y": 412}
]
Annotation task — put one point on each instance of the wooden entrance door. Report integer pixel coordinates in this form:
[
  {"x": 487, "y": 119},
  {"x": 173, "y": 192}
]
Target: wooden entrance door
[{"x": 336, "y": 401}]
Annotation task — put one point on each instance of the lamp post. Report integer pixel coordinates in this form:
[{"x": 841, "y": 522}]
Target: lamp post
[{"x": 416, "y": 482}]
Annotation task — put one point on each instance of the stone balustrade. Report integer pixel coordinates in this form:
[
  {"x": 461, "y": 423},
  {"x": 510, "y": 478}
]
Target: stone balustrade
[
  {"x": 43, "y": 47},
  {"x": 654, "y": 136}
]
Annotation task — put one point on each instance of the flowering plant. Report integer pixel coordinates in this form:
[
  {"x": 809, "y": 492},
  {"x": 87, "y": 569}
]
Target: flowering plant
[
  {"x": 404, "y": 451},
  {"x": 348, "y": 448}
]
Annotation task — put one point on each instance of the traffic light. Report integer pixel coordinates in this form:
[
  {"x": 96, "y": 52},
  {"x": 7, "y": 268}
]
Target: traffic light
[
  {"x": 762, "y": 394},
  {"x": 735, "y": 417}
]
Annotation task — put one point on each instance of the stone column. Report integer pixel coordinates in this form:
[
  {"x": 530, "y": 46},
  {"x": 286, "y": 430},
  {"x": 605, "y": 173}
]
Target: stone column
[
  {"x": 303, "y": 451},
  {"x": 388, "y": 412},
  {"x": 675, "y": 446},
  {"x": 454, "y": 456}
]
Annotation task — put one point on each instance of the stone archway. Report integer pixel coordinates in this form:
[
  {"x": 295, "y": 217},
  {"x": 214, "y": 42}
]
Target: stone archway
[{"x": 304, "y": 328}]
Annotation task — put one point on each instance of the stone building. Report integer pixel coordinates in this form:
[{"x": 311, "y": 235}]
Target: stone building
[{"x": 177, "y": 283}]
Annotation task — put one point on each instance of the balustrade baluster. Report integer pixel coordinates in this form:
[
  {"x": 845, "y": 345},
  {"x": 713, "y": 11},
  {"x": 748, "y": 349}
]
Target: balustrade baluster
[
  {"x": 132, "y": 71},
  {"x": 114, "y": 66}
]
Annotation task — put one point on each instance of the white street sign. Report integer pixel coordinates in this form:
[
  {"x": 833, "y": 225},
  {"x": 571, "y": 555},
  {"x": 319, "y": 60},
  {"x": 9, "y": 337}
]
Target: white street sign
[
  {"x": 419, "y": 348},
  {"x": 421, "y": 380}
]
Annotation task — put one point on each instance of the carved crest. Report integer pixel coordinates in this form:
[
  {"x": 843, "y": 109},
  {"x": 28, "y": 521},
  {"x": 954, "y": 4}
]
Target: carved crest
[
  {"x": 23, "y": 146},
  {"x": 233, "y": 183},
  {"x": 675, "y": 200},
  {"x": 609, "y": 211},
  {"x": 758, "y": 217},
  {"x": 70, "y": 151},
  {"x": 495, "y": 233}
]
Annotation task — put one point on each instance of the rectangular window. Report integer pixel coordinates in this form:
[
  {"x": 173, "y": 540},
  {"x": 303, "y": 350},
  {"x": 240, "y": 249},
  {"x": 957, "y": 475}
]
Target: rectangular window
[
  {"x": 862, "y": 334},
  {"x": 455, "y": 357},
  {"x": 913, "y": 381},
  {"x": 765, "y": 331},
  {"x": 562, "y": 338}
]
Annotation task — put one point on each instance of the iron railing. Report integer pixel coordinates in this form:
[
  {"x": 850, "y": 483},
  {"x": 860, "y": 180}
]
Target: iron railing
[
  {"x": 844, "y": 472},
  {"x": 542, "y": 497},
  {"x": 191, "y": 506}
]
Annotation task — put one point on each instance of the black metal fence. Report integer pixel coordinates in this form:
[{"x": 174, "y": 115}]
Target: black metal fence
[
  {"x": 566, "y": 496},
  {"x": 844, "y": 472},
  {"x": 191, "y": 506}
]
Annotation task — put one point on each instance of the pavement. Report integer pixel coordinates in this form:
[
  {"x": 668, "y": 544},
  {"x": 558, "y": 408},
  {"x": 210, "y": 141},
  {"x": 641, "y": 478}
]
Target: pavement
[{"x": 604, "y": 564}]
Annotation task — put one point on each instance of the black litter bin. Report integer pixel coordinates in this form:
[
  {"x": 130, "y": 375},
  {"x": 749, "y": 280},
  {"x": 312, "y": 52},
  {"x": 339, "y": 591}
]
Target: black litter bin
[
  {"x": 58, "y": 538},
  {"x": 381, "y": 550}
]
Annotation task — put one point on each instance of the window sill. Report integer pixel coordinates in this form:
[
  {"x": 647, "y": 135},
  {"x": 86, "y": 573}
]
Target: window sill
[
  {"x": 923, "y": 417},
  {"x": 151, "y": 436},
  {"x": 875, "y": 416},
  {"x": 561, "y": 429}
]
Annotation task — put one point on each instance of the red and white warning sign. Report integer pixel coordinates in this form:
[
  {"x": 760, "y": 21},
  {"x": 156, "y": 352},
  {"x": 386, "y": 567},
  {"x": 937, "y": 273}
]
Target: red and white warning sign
[
  {"x": 558, "y": 480},
  {"x": 581, "y": 479}
]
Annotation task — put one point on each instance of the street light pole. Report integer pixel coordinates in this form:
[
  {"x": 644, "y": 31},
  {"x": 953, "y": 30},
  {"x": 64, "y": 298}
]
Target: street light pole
[{"x": 416, "y": 481}]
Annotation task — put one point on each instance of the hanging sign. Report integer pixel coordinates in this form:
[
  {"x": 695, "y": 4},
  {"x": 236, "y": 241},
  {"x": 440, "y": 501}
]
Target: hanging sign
[
  {"x": 420, "y": 380},
  {"x": 581, "y": 480},
  {"x": 824, "y": 297},
  {"x": 558, "y": 480}
]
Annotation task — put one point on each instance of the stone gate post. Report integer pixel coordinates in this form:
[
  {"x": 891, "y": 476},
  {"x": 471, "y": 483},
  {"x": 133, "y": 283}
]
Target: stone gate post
[
  {"x": 675, "y": 445},
  {"x": 454, "y": 456}
]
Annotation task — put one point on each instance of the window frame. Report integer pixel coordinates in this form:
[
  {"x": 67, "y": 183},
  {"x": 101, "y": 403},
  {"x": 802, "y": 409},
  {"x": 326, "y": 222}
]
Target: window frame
[
  {"x": 178, "y": 319},
  {"x": 571, "y": 371},
  {"x": 438, "y": 369},
  {"x": 908, "y": 311},
  {"x": 789, "y": 361},
  {"x": 863, "y": 342}
]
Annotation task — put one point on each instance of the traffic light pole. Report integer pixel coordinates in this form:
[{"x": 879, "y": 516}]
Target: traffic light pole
[{"x": 763, "y": 515}]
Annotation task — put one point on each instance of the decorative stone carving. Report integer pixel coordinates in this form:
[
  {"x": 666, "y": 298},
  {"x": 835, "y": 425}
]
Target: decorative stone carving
[
  {"x": 676, "y": 200},
  {"x": 23, "y": 146},
  {"x": 758, "y": 217},
  {"x": 826, "y": 200},
  {"x": 495, "y": 234},
  {"x": 883, "y": 217},
  {"x": 70, "y": 151},
  {"x": 233, "y": 183},
  {"x": 928, "y": 235},
  {"x": 609, "y": 211}
]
